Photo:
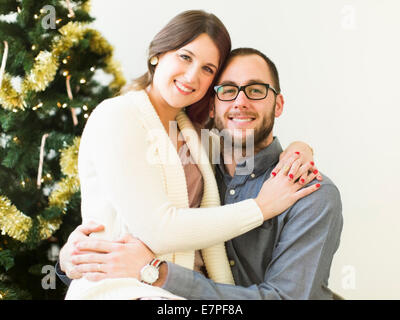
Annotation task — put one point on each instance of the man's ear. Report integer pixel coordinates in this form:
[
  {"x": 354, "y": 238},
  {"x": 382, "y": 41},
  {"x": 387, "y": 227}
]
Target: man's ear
[
  {"x": 279, "y": 105},
  {"x": 211, "y": 108}
]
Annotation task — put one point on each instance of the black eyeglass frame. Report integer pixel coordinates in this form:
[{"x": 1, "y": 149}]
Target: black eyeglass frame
[{"x": 243, "y": 88}]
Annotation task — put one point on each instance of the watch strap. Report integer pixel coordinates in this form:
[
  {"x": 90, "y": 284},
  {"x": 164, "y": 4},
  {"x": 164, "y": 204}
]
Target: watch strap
[{"x": 156, "y": 263}]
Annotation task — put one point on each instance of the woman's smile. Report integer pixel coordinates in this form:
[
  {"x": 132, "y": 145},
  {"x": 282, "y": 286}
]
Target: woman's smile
[{"x": 182, "y": 88}]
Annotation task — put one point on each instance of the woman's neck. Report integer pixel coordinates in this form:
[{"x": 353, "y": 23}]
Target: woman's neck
[{"x": 165, "y": 112}]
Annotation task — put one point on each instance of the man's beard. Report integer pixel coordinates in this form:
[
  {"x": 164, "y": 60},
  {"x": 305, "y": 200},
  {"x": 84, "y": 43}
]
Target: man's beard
[{"x": 261, "y": 132}]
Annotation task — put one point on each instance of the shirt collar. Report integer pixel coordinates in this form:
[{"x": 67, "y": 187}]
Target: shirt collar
[{"x": 263, "y": 160}]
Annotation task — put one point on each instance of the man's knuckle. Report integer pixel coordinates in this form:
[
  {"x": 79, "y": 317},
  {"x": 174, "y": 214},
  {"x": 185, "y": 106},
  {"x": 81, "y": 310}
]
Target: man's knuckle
[
  {"x": 80, "y": 228},
  {"x": 111, "y": 258},
  {"x": 111, "y": 269},
  {"x": 76, "y": 269},
  {"x": 91, "y": 256},
  {"x": 75, "y": 259}
]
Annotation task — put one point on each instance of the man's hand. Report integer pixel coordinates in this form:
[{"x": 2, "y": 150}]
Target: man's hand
[
  {"x": 81, "y": 233},
  {"x": 103, "y": 259}
]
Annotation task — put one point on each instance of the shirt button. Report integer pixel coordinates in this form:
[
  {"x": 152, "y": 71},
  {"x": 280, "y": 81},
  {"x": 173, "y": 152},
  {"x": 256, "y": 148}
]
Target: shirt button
[
  {"x": 252, "y": 175},
  {"x": 232, "y": 263},
  {"x": 232, "y": 192}
]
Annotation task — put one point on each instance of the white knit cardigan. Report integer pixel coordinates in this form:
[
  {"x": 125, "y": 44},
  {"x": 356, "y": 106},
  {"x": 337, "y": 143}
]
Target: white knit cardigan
[{"x": 132, "y": 180}]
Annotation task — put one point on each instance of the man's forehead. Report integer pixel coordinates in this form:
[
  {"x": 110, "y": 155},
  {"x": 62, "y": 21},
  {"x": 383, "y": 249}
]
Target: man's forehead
[{"x": 244, "y": 70}]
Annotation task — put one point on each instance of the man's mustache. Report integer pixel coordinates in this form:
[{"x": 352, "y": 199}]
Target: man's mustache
[{"x": 241, "y": 114}]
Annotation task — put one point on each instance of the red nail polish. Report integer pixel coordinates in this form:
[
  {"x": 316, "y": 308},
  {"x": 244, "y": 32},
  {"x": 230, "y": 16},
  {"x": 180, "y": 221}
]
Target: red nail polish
[
  {"x": 274, "y": 174},
  {"x": 312, "y": 163},
  {"x": 297, "y": 152},
  {"x": 302, "y": 180},
  {"x": 315, "y": 171},
  {"x": 317, "y": 185},
  {"x": 291, "y": 176}
]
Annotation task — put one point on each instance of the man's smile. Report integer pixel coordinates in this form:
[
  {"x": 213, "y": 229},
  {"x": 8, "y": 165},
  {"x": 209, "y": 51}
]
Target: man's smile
[{"x": 241, "y": 118}]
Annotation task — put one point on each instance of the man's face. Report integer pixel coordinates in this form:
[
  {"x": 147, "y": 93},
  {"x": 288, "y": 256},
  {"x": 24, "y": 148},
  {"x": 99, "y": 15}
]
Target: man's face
[{"x": 242, "y": 113}]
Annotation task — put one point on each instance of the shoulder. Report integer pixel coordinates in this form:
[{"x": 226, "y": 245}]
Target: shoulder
[
  {"x": 114, "y": 107},
  {"x": 120, "y": 111},
  {"x": 329, "y": 190},
  {"x": 118, "y": 119},
  {"x": 324, "y": 203}
]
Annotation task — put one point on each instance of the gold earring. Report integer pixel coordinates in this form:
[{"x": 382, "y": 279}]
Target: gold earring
[{"x": 154, "y": 61}]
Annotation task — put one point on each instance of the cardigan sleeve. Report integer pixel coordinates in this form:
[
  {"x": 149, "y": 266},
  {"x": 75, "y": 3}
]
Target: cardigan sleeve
[{"x": 114, "y": 148}]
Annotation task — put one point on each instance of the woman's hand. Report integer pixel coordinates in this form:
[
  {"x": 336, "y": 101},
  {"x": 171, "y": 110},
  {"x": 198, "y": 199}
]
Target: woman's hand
[
  {"x": 81, "y": 233},
  {"x": 306, "y": 155},
  {"x": 103, "y": 259},
  {"x": 283, "y": 189}
]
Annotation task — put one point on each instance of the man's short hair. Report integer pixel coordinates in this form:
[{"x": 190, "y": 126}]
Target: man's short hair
[{"x": 249, "y": 51}]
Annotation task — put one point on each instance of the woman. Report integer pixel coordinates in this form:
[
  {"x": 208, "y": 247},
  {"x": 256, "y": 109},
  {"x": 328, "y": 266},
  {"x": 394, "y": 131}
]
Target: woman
[{"x": 130, "y": 169}]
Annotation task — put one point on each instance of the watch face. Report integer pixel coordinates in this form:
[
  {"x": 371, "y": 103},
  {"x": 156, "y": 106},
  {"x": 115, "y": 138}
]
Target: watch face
[{"x": 149, "y": 274}]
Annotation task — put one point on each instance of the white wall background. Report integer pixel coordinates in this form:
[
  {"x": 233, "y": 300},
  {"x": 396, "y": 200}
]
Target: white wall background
[{"x": 339, "y": 68}]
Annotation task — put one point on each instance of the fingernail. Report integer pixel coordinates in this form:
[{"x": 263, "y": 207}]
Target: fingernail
[
  {"x": 315, "y": 171},
  {"x": 297, "y": 152},
  {"x": 290, "y": 176},
  {"x": 319, "y": 178},
  {"x": 312, "y": 163},
  {"x": 302, "y": 181},
  {"x": 317, "y": 185},
  {"x": 274, "y": 174}
]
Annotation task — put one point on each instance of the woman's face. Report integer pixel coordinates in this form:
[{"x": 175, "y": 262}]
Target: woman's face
[{"x": 182, "y": 77}]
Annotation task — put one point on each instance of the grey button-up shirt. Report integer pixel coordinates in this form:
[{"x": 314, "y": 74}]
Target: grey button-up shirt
[{"x": 287, "y": 257}]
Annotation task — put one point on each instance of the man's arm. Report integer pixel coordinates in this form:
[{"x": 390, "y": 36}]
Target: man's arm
[
  {"x": 61, "y": 274},
  {"x": 301, "y": 259}
]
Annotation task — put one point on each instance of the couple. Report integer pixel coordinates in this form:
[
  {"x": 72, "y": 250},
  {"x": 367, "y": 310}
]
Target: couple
[{"x": 159, "y": 229}]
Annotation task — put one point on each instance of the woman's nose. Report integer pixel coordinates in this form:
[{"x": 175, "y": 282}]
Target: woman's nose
[{"x": 191, "y": 74}]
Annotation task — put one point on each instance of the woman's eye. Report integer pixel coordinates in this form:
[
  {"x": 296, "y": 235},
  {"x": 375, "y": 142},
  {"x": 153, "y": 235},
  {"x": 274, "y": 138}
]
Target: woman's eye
[
  {"x": 209, "y": 70},
  {"x": 185, "y": 57}
]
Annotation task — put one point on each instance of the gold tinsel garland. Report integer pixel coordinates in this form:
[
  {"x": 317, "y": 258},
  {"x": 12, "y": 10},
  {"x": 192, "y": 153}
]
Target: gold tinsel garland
[
  {"x": 13, "y": 222},
  {"x": 47, "y": 63},
  {"x": 10, "y": 99},
  {"x": 17, "y": 225},
  {"x": 42, "y": 73}
]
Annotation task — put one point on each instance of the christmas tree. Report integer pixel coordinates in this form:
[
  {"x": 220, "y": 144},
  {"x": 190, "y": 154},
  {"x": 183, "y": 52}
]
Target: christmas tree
[{"x": 53, "y": 73}]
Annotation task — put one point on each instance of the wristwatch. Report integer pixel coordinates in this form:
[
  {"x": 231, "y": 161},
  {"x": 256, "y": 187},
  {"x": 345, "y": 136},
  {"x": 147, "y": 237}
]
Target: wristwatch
[{"x": 150, "y": 272}]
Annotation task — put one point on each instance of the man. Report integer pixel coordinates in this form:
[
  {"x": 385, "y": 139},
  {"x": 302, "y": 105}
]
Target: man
[{"x": 289, "y": 256}]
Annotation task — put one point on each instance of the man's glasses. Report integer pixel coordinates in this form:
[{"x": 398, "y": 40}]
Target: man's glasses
[{"x": 254, "y": 91}]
